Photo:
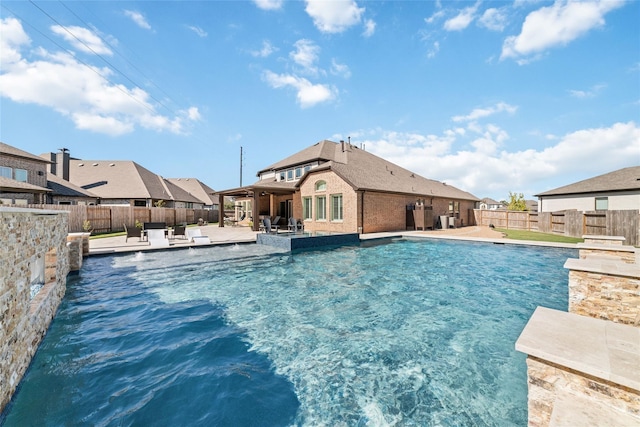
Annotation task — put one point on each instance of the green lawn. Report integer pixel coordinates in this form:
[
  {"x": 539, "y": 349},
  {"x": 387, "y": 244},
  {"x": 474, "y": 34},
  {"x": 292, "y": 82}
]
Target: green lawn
[{"x": 538, "y": 237}]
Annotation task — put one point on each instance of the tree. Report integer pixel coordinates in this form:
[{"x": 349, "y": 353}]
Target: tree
[{"x": 516, "y": 202}]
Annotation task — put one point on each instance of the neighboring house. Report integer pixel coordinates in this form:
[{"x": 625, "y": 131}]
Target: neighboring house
[
  {"x": 23, "y": 177},
  {"x": 124, "y": 182},
  {"x": 617, "y": 190},
  {"x": 490, "y": 204},
  {"x": 65, "y": 193},
  {"x": 338, "y": 187},
  {"x": 197, "y": 188},
  {"x": 532, "y": 205}
]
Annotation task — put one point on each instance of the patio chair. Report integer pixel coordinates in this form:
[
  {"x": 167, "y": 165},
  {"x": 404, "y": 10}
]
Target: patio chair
[
  {"x": 276, "y": 221},
  {"x": 195, "y": 235},
  {"x": 132, "y": 232},
  {"x": 179, "y": 230},
  {"x": 268, "y": 228},
  {"x": 294, "y": 225},
  {"x": 157, "y": 238}
]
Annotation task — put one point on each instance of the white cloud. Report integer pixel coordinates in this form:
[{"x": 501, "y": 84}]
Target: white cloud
[
  {"x": 138, "y": 18},
  {"x": 307, "y": 94},
  {"x": 268, "y": 4},
  {"x": 266, "y": 50},
  {"x": 12, "y": 37},
  {"x": 369, "y": 28},
  {"x": 493, "y": 19},
  {"x": 340, "y": 69},
  {"x": 479, "y": 113},
  {"x": 462, "y": 19},
  {"x": 334, "y": 16},
  {"x": 487, "y": 170},
  {"x": 82, "y": 93},
  {"x": 433, "y": 51},
  {"x": 556, "y": 25},
  {"x": 199, "y": 31},
  {"x": 306, "y": 55},
  {"x": 592, "y": 92},
  {"x": 436, "y": 16},
  {"x": 82, "y": 39}
]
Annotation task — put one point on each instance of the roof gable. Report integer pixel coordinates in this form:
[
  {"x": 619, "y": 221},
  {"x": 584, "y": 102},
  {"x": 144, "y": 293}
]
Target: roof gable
[
  {"x": 323, "y": 150},
  {"x": 620, "y": 180},
  {"x": 16, "y": 152},
  {"x": 366, "y": 171},
  {"x": 196, "y": 188}
]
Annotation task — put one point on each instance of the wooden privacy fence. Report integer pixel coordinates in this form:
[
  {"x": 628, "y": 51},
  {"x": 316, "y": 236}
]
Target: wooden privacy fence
[
  {"x": 569, "y": 223},
  {"x": 110, "y": 219}
]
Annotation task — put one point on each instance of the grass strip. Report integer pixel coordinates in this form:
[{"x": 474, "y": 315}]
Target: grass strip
[{"x": 537, "y": 236}]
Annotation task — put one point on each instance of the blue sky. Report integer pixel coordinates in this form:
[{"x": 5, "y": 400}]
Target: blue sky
[{"x": 491, "y": 97}]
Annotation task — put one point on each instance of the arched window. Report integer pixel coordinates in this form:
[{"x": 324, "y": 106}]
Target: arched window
[{"x": 321, "y": 186}]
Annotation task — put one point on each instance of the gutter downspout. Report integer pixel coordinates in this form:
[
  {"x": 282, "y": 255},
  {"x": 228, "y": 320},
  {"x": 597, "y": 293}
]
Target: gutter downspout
[{"x": 361, "y": 228}]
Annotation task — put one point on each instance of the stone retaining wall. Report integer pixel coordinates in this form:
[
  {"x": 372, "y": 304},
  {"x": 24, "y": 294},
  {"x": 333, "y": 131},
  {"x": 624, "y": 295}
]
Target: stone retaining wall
[{"x": 33, "y": 251}]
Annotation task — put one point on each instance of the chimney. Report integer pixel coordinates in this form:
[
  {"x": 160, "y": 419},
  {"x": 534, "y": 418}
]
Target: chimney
[
  {"x": 342, "y": 145},
  {"x": 61, "y": 164}
]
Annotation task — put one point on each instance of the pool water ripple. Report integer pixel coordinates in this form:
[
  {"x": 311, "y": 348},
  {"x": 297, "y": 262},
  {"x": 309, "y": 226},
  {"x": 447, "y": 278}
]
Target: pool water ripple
[{"x": 406, "y": 333}]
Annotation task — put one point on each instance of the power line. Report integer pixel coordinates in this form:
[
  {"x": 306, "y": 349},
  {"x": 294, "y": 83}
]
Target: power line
[
  {"x": 125, "y": 59},
  {"x": 103, "y": 58}
]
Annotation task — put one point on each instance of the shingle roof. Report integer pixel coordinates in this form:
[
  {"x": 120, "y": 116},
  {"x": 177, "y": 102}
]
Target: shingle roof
[
  {"x": 12, "y": 185},
  {"x": 196, "y": 188},
  {"x": 366, "y": 171},
  {"x": 60, "y": 187},
  {"x": 123, "y": 179},
  {"x": 619, "y": 180},
  {"x": 13, "y": 151},
  {"x": 323, "y": 150}
]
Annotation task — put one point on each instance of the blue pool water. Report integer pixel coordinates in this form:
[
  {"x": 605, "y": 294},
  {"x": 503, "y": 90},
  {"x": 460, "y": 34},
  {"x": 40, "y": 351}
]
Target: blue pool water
[{"x": 405, "y": 333}]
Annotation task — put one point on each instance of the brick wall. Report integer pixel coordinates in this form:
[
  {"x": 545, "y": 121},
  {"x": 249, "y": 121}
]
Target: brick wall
[
  {"x": 335, "y": 185},
  {"x": 33, "y": 167},
  {"x": 33, "y": 248}
]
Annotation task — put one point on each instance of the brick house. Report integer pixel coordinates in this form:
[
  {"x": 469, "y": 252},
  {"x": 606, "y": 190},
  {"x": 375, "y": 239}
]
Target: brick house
[
  {"x": 23, "y": 177},
  {"x": 337, "y": 187}
]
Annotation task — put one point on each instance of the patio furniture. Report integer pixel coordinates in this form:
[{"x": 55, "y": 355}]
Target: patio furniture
[
  {"x": 295, "y": 225},
  {"x": 276, "y": 221},
  {"x": 268, "y": 228},
  {"x": 132, "y": 232},
  {"x": 157, "y": 238},
  {"x": 195, "y": 235},
  {"x": 179, "y": 230}
]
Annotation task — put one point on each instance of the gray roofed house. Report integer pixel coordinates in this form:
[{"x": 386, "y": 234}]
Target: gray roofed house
[
  {"x": 617, "y": 190},
  {"x": 65, "y": 193},
  {"x": 338, "y": 187},
  {"x": 124, "y": 182},
  {"x": 198, "y": 189},
  {"x": 23, "y": 176}
]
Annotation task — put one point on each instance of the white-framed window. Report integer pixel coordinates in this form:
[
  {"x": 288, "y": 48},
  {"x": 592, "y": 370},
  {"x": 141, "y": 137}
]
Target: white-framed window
[
  {"x": 283, "y": 176},
  {"x": 306, "y": 208},
  {"x": 602, "y": 203},
  {"x": 21, "y": 175},
  {"x": 290, "y": 175},
  {"x": 307, "y": 168},
  {"x": 298, "y": 172},
  {"x": 6, "y": 172},
  {"x": 336, "y": 207},
  {"x": 321, "y": 208},
  {"x": 321, "y": 186}
]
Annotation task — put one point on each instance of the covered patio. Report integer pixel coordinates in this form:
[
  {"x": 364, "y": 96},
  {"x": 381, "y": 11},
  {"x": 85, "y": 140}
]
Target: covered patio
[{"x": 265, "y": 200}]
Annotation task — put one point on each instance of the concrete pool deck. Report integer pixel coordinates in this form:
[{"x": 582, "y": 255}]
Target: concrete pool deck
[{"x": 240, "y": 235}]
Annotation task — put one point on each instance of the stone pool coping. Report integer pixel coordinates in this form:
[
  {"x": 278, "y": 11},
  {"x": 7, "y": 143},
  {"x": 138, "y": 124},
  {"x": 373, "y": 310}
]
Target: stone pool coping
[{"x": 244, "y": 235}]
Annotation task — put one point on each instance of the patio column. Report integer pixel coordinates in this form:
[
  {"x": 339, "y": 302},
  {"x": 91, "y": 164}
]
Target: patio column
[{"x": 255, "y": 211}]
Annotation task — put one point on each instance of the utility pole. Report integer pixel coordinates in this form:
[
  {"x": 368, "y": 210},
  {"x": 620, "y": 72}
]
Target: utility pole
[{"x": 241, "y": 166}]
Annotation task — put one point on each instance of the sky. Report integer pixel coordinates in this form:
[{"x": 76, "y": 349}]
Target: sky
[{"x": 491, "y": 97}]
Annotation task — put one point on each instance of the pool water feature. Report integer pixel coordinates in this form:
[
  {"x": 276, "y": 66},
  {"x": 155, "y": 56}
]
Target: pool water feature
[
  {"x": 307, "y": 240},
  {"x": 400, "y": 333}
]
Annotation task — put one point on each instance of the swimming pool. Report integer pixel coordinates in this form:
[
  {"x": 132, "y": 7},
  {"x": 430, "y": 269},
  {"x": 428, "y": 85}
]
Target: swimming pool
[{"x": 397, "y": 333}]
